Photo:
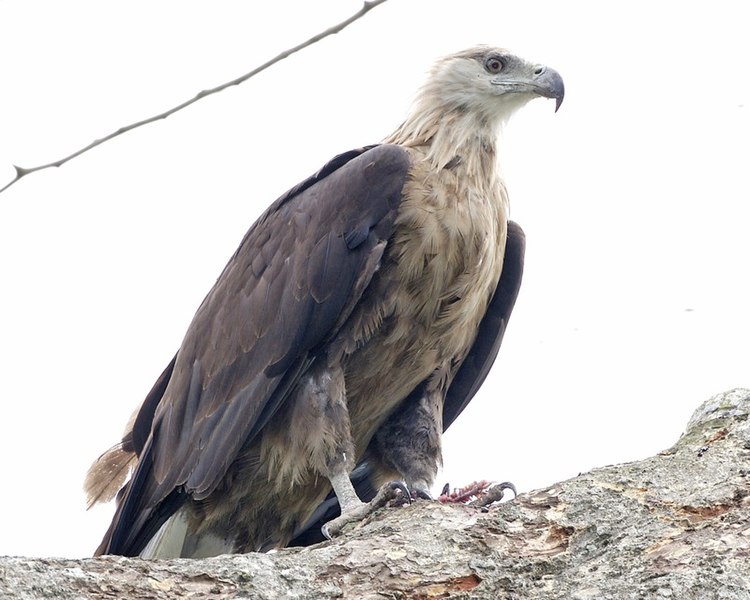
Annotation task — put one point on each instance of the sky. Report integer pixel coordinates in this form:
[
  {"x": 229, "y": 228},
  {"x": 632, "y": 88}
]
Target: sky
[{"x": 634, "y": 198}]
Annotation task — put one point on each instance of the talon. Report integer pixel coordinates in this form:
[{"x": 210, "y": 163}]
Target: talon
[
  {"x": 479, "y": 493},
  {"x": 393, "y": 490},
  {"x": 506, "y": 485},
  {"x": 421, "y": 494},
  {"x": 494, "y": 494},
  {"x": 396, "y": 487}
]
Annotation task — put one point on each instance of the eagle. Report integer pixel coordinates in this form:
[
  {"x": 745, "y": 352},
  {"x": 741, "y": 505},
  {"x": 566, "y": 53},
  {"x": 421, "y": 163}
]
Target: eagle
[{"x": 356, "y": 320}]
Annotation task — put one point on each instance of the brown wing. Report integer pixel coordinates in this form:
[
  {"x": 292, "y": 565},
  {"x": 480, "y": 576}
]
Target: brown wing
[{"x": 295, "y": 278}]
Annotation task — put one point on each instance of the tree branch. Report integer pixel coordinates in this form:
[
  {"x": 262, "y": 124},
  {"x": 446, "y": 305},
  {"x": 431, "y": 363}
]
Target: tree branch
[
  {"x": 676, "y": 525},
  {"x": 366, "y": 7}
]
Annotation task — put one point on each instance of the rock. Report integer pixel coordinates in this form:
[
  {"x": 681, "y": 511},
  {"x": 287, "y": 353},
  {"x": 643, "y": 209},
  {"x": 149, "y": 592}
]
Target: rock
[{"x": 676, "y": 525}]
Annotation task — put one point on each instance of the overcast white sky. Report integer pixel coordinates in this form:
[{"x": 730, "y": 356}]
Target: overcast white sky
[{"x": 634, "y": 198}]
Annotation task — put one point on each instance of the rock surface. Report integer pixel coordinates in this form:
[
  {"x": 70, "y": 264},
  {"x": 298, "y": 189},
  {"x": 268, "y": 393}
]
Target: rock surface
[{"x": 676, "y": 525}]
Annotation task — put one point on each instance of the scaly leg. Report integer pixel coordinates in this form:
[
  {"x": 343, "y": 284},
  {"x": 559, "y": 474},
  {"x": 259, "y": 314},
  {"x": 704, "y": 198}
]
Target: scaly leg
[{"x": 352, "y": 508}]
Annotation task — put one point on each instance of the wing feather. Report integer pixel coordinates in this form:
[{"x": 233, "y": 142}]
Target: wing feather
[{"x": 296, "y": 276}]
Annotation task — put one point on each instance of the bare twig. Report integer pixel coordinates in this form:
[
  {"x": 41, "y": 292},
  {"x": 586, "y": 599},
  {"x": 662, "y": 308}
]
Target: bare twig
[{"x": 366, "y": 7}]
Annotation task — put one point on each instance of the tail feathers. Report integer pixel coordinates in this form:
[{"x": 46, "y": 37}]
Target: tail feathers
[
  {"x": 174, "y": 540},
  {"x": 107, "y": 474}
]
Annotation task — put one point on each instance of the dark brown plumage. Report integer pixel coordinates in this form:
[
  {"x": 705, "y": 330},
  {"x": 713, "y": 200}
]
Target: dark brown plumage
[{"x": 356, "y": 320}]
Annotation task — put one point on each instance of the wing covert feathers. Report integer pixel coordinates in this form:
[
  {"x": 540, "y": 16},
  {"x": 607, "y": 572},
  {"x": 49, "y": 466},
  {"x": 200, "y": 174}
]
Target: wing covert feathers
[{"x": 295, "y": 278}]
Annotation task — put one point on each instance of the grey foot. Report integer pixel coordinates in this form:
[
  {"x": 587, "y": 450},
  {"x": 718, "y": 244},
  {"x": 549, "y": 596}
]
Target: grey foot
[
  {"x": 390, "y": 491},
  {"x": 478, "y": 493},
  {"x": 494, "y": 494}
]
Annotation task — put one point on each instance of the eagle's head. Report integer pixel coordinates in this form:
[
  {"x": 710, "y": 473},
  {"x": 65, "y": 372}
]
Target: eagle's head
[
  {"x": 465, "y": 100},
  {"x": 491, "y": 82}
]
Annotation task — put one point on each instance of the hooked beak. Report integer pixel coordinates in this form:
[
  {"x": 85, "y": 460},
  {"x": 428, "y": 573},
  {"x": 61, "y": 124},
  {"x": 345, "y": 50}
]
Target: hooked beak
[
  {"x": 549, "y": 84},
  {"x": 537, "y": 80}
]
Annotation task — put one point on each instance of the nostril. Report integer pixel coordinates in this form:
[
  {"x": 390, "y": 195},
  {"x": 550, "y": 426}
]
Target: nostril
[{"x": 539, "y": 70}]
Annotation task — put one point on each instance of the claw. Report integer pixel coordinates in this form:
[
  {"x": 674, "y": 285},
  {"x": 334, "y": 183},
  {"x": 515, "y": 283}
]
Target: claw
[
  {"x": 479, "y": 493},
  {"x": 396, "y": 486},
  {"x": 506, "y": 485},
  {"x": 393, "y": 490},
  {"x": 421, "y": 494},
  {"x": 495, "y": 494}
]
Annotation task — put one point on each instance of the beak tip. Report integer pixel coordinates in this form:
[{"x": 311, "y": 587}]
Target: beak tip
[{"x": 552, "y": 86}]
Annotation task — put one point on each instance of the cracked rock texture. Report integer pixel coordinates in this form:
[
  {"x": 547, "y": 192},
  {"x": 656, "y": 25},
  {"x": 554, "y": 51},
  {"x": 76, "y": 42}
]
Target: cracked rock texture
[{"x": 676, "y": 525}]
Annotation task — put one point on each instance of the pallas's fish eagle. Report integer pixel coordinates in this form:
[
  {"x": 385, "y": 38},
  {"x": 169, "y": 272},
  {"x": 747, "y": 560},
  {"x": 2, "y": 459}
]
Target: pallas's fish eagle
[{"x": 359, "y": 315}]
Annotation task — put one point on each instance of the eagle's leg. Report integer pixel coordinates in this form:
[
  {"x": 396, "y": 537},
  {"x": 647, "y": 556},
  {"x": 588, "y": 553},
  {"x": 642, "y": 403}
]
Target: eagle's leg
[
  {"x": 320, "y": 417},
  {"x": 409, "y": 441},
  {"x": 352, "y": 508}
]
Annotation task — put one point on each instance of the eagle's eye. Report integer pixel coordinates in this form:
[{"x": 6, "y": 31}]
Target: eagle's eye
[{"x": 493, "y": 65}]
